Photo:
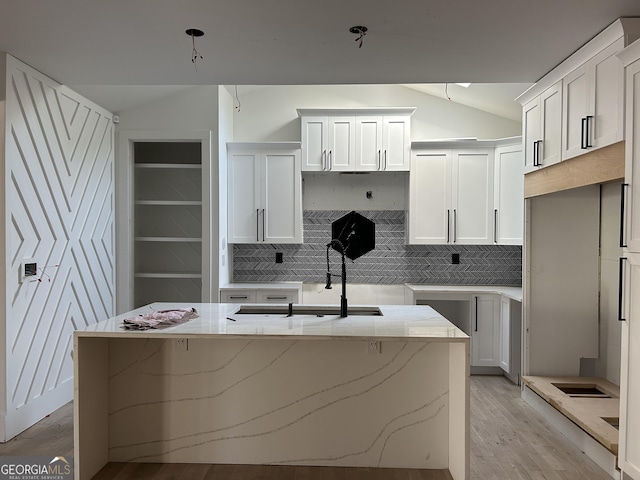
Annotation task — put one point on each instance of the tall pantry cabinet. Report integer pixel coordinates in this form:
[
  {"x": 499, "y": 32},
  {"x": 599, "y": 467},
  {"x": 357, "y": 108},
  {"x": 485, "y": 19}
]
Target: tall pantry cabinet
[{"x": 629, "y": 299}]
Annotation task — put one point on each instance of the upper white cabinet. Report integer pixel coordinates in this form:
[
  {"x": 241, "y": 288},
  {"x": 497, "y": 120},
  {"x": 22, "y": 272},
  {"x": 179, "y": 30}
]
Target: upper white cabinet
[
  {"x": 466, "y": 195},
  {"x": 593, "y": 96},
  {"x": 542, "y": 129},
  {"x": 356, "y": 140},
  {"x": 508, "y": 194},
  {"x": 264, "y": 193},
  {"x": 383, "y": 143},
  {"x": 579, "y": 105},
  {"x": 329, "y": 143}
]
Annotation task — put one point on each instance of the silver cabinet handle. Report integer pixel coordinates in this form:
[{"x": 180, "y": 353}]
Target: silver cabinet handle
[
  {"x": 385, "y": 159},
  {"x": 330, "y": 155},
  {"x": 257, "y": 224},
  {"x": 379, "y": 161},
  {"x": 276, "y": 297},
  {"x": 495, "y": 225},
  {"x": 455, "y": 226},
  {"x": 238, "y": 297},
  {"x": 263, "y": 222},
  {"x": 324, "y": 159},
  {"x": 476, "y": 314},
  {"x": 448, "y": 225}
]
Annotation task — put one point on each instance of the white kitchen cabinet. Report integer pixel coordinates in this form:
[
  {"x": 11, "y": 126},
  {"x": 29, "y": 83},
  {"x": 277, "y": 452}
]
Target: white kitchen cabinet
[
  {"x": 328, "y": 143},
  {"x": 383, "y": 143},
  {"x": 542, "y": 129},
  {"x": 505, "y": 334},
  {"x": 472, "y": 196},
  {"x": 508, "y": 195},
  {"x": 430, "y": 197},
  {"x": 261, "y": 293},
  {"x": 629, "y": 446},
  {"x": 485, "y": 330},
  {"x": 264, "y": 193},
  {"x": 593, "y": 96},
  {"x": 351, "y": 140}
]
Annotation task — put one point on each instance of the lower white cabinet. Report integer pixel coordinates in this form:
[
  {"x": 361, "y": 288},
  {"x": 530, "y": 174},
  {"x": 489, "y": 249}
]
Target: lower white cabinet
[
  {"x": 629, "y": 448},
  {"x": 485, "y": 330},
  {"x": 254, "y": 294}
]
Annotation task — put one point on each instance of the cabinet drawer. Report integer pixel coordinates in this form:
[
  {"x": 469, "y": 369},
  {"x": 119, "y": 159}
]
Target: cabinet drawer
[
  {"x": 277, "y": 296},
  {"x": 238, "y": 296}
]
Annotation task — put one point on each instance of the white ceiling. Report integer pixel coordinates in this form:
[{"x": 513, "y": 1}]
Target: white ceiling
[{"x": 89, "y": 43}]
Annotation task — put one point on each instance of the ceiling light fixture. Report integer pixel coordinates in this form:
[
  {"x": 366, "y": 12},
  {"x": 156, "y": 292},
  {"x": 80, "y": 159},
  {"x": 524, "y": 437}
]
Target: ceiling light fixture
[
  {"x": 193, "y": 33},
  {"x": 360, "y": 31}
]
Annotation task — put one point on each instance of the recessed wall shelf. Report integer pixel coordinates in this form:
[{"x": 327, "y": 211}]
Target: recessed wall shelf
[{"x": 168, "y": 223}]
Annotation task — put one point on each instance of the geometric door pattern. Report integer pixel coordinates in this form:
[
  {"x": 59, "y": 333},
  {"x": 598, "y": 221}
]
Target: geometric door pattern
[{"x": 59, "y": 210}]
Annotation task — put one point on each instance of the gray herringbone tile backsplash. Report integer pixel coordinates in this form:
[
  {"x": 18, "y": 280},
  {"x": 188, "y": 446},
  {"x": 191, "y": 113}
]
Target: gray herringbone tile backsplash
[{"x": 392, "y": 262}]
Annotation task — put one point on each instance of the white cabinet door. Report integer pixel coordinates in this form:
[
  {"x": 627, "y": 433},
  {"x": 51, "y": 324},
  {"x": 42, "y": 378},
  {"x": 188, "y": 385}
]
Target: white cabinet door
[
  {"x": 244, "y": 197},
  {"x": 575, "y": 97},
  {"x": 607, "y": 99},
  {"x": 593, "y": 103},
  {"x": 281, "y": 197},
  {"x": 369, "y": 143},
  {"x": 631, "y": 227},
  {"x": 505, "y": 334},
  {"x": 430, "y": 197},
  {"x": 485, "y": 330},
  {"x": 629, "y": 450},
  {"x": 472, "y": 197},
  {"x": 264, "y": 196},
  {"x": 314, "y": 143},
  {"x": 542, "y": 129},
  {"x": 341, "y": 155},
  {"x": 396, "y": 143},
  {"x": 551, "y": 127},
  {"x": 508, "y": 196}
]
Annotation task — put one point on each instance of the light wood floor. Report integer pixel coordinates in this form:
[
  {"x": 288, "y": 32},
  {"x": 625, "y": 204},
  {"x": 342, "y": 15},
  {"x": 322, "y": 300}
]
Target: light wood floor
[{"x": 509, "y": 441}]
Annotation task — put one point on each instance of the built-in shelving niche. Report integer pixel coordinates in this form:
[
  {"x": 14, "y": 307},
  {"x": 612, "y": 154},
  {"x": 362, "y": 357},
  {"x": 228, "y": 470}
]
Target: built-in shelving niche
[{"x": 167, "y": 222}]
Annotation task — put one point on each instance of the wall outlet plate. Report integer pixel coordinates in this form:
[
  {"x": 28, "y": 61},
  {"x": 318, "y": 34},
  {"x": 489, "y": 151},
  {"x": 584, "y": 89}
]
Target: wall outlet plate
[
  {"x": 279, "y": 257},
  {"x": 455, "y": 258},
  {"x": 374, "y": 347}
]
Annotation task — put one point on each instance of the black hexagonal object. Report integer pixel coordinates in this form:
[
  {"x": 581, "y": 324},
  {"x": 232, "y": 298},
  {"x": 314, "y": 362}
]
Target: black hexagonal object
[{"x": 356, "y": 233}]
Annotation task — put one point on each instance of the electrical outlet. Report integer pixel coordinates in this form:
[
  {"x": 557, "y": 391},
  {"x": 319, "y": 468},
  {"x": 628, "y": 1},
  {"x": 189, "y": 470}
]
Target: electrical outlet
[
  {"x": 279, "y": 257},
  {"x": 182, "y": 344},
  {"x": 455, "y": 258},
  {"x": 373, "y": 347}
]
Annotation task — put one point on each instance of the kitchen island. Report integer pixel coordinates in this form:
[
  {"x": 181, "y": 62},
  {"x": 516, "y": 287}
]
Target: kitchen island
[{"x": 389, "y": 390}]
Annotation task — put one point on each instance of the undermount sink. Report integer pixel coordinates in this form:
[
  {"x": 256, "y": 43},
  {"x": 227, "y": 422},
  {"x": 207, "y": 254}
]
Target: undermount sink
[{"x": 308, "y": 310}]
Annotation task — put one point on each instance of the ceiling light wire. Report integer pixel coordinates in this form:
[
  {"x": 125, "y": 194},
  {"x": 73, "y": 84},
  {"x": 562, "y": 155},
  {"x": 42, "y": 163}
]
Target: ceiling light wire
[
  {"x": 195, "y": 55},
  {"x": 237, "y": 107},
  {"x": 361, "y": 32}
]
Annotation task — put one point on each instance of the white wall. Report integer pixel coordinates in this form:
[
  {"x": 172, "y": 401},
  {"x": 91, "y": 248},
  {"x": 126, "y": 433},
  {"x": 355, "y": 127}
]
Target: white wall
[
  {"x": 268, "y": 113},
  {"x": 562, "y": 281},
  {"x": 225, "y": 133},
  {"x": 59, "y": 194},
  {"x": 194, "y": 110},
  {"x": 608, "y": 364}
]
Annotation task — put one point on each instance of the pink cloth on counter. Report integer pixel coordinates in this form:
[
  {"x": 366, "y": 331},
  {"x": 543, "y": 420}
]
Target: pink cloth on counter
[{"x": 159, "y": 319}]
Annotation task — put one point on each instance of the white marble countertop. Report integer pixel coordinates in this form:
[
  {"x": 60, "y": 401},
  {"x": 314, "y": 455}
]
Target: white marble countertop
[
  {"x": 514, "y": 293},
  {"x": 397, "y": 322}
]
